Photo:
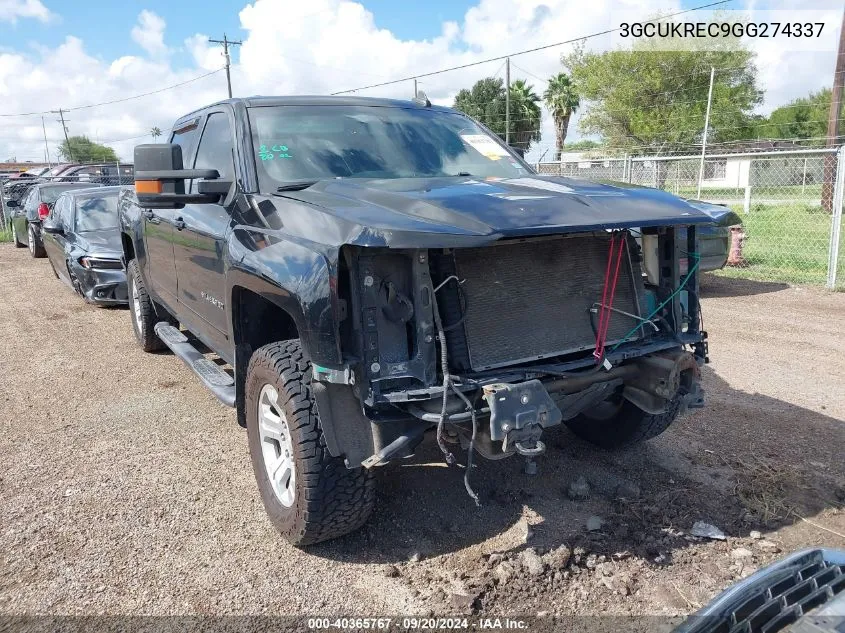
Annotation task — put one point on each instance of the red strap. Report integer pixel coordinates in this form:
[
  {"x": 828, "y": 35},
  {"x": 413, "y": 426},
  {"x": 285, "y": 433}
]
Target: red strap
[{"x": 614, "y": 263}]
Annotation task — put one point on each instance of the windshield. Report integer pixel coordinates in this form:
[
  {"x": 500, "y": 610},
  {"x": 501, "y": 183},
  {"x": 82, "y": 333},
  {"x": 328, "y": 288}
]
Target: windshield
[
  {"x": 95, "y": 214},
  {"x": 305, "y": 143}
]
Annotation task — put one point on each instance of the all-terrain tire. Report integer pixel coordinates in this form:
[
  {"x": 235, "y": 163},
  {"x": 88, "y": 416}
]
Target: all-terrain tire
[
  {"x": 630, "y": 425},
  {"x": 15, "y": 240},
  {"x": 329, "y": 499},
  {"x": 36, "y": 246},
  {"x": 141, "y": 310}
]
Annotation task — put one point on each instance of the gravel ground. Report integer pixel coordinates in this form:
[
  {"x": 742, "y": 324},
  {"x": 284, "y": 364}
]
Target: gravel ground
[{"x": 126, "y": 488}]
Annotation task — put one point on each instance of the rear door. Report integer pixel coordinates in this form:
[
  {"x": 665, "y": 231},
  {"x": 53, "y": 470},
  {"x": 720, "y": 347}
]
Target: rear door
[
  {"x": 54, "y": 242},
  {"x": 201, "y": 230},
  {"x": 159, "y": 232}
]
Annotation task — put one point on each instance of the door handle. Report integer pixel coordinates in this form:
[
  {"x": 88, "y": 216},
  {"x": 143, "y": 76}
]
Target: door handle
[{"x": 179, "y": 223}]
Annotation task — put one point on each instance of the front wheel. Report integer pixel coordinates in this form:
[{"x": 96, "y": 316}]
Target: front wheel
[
  {"x": 616, "y": 422},
  {"x": 142, "y": 310},
  {"x": 36, "y": 246},
  {"x": 309, "y": 495}
]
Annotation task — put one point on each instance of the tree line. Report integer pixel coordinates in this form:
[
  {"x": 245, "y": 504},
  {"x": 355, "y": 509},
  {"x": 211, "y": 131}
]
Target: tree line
[{"x": 648, "y": 101}]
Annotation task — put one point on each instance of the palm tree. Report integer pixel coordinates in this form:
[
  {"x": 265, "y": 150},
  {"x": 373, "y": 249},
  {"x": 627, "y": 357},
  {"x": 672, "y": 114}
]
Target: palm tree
[
  {"x": 155, "y": 132},
  {"x": 562, "y": 100},
  {"x": 525, "y": 115}
]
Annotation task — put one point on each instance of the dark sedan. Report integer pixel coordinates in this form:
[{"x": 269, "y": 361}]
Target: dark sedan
[
  {"x": 82, "y": 240},
  {"x": 27, "y": 215}
]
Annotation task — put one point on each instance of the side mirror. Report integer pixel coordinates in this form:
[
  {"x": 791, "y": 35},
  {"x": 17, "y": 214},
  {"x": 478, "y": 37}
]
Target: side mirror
[
  {"x": 52, "y": 229},
  {"x": 11, "y": 204},
  {"x": 160, "y": 178}
]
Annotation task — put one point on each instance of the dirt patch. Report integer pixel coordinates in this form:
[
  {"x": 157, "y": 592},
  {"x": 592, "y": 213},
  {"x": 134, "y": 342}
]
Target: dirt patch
[{"x": 127, "y": 488}]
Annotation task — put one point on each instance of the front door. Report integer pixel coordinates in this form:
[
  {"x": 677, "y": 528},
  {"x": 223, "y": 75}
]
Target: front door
[
  {"x": 159, "y": 232},
  {"x": 158, "y": 244},
  {"x": 200, "y": 232}
]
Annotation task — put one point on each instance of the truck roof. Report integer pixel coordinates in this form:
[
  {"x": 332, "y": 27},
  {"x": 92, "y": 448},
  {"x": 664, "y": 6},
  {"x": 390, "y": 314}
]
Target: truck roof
[{"x": 313, "y": 100}]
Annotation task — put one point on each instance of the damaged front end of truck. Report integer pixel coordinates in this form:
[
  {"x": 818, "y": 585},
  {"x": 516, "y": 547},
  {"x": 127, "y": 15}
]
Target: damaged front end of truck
[{"x": 485, "y": 347}]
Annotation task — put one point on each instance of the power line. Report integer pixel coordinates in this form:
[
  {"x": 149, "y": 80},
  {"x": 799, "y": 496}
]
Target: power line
[
  {"x": 523, "y": 52},
  {"x": 121, "y": 100}
]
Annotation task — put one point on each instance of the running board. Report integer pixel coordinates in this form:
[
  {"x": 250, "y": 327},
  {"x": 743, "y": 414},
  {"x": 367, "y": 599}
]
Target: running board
[{"x": 220, "y": 383}]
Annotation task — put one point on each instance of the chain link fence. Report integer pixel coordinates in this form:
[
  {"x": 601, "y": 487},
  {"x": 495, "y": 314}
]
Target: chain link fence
[
  {"x": 789, "y": 201},
  {"x": 15, "y": 188}
]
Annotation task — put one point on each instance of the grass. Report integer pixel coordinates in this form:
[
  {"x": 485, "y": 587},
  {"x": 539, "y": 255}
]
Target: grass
[
  {"x": 5, "y": 236},
  {"x": 784, "y": 243}
]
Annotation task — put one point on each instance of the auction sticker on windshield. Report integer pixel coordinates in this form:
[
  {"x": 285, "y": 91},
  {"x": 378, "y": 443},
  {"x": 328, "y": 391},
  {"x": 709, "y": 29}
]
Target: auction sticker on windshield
[{"x": 485, "y": 146}]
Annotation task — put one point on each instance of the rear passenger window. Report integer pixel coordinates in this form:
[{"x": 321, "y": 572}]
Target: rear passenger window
[
  {"x": 54, "y": 212},
  {"x": 66, "y": 213},
  {"x": 216, "y": 146},
  {"x": 186, "y": 138}
]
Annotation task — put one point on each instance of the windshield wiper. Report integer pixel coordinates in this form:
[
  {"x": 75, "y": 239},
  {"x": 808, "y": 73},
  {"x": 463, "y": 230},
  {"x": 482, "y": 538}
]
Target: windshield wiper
[
  {"x": 463, "y": 173},
  {"x": 296, "y": 186}
]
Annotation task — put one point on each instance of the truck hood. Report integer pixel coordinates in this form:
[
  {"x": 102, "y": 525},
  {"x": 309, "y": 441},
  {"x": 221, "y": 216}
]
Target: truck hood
[{"x": 496, "y": 208}]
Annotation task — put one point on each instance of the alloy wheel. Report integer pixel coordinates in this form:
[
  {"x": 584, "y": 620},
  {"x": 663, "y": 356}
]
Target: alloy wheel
[
  {"x": 136, "y": 306},
  {"x": 276, "y": 445}
]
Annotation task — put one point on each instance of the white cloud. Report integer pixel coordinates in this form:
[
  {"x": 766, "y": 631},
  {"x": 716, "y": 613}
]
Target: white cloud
[
  {"x": 148, "y": 33},
  {"x": 13, "y": 10},
  {"x": 318, "y": 48}
]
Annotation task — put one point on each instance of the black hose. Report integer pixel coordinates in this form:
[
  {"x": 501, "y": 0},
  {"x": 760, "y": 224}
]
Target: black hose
[
  {"x": 471, "y": 408},
  {"x": 447, "y": 379}
]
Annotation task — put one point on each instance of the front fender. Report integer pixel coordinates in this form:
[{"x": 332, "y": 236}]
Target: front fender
[{"x": 297, "y": 279}]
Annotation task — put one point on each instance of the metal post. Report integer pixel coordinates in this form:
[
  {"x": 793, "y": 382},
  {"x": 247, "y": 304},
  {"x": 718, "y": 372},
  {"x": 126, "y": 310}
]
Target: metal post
[
  {"x": 828, "y": 185},
  {"x": 706, "y": 126},
  {"x": 804, "y": 177},
  {"x": 415, "y": 88},
  {"x": 836, "y": 225},
  {"x": 46, "y": 147},
  {"x": 64, "y": 128},
  {"x": 507, "y": 100}
]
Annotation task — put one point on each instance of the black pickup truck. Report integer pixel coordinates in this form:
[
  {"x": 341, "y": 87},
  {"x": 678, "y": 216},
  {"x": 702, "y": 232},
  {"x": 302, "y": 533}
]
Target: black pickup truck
[{"x": 352, "y": 274}]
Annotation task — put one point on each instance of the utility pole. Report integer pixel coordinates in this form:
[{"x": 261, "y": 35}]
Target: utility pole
[
  {"x": 507, "y": 100},
  {"x": 61, "y": 120},
  {"x": 706, "y": 127},
  {"x": 415, "y": 88},
  {"x": 833, "y": 121},
  {"x": 46, "y": 147},
  {"x": 226, "y": 42}
]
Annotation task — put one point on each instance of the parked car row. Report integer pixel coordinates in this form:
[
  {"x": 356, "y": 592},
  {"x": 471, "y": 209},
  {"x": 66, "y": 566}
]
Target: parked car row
[
  {"x": 16, "y": 186},
  {"x": 75, "y": 226}
]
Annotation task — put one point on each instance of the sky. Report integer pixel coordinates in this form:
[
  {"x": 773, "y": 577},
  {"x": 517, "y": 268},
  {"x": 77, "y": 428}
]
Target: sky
[{"x": 66, "y": 54}]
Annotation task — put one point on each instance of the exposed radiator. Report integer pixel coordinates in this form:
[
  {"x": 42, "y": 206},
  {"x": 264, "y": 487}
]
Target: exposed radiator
[{"x": 530, "y": 300}]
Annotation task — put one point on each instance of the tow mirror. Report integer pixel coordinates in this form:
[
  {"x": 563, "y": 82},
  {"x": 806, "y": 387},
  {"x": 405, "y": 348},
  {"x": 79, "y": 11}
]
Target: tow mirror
[{"x": 160, "y": 178}]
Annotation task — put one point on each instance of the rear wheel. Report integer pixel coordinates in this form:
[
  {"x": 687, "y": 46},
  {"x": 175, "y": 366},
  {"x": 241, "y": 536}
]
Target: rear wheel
[
  {"x": 617, "y": 422},
  {"x": 141, "y": 309},
  {"x": 36, "y": 246},
  {"x": 309, "y": 495},
  {"x": 15, "y": 240}
]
